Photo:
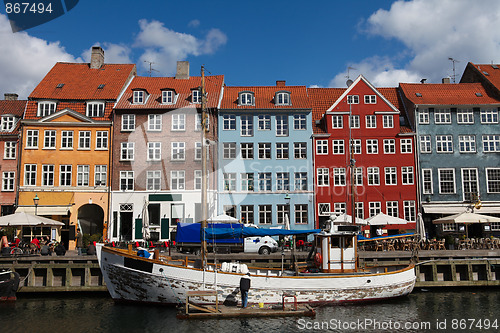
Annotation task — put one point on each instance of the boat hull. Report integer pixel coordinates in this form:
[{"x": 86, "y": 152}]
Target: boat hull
[{"x": 135, "y": 279}]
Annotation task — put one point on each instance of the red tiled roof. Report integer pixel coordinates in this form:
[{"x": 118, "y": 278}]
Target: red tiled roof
[
  {"x": 78, "y": 106},
  {"x": 392, "y": 95},
  {"x": 490, "y": 73},
  {"x": 322, "y": 99},
  {"x": 81, "y": 82},
  {"x": 15, "y": 108},
  {"x": 447, "y": 94},
  {"x": 155, "y": 85},
  {"x": 264, "y": 97}
]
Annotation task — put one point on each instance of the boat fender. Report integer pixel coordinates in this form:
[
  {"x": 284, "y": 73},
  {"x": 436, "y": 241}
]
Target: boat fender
[{"x": 318, "y": 259}]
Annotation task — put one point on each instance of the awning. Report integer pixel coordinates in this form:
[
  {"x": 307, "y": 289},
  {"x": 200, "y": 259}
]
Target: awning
[
  {"x": 455, "y": 209},
  {"x": 45, "y": 210}
]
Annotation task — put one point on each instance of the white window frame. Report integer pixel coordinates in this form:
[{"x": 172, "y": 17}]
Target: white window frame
[
  {"x": 139, "y": 97},
  {"x": 423, "y": 117},
  {"x": 372, "y": 146},
  {"x": 264, "y": 151},
  {"x": 391, "y": 176},
  {"x": 389, "y": 146},
  {"x": 388, "y": 121},
  {"x": 324, "y": 209},
  {"x": 95, "y": 109},
  {"x": 427, "y": 184},
  {"x": 228, "y": 122},
  {"x": 30, "y": 174},
  {"x": 154, "y": 151},
  {"x": 323, "y": 177},
  {"x": 48, "y": 175},
  {"x": 46, "y": 108},
  {"x": 370, "y": 99},
  {"x": 153, "y": 180},
  {"x": 282, "y": 150},
  {"x": 352, "y": 99},
  {"x": 406, "y": 146},
  {"x": 410, "y": 211},
  {"x": 375, "y": 207},
  {"x": 337, "y": 121},
  {"x": 32, "y": 139},
  {"x": 197, "y": 179},
  {"x": 442, "y": 116},
  {"x": 265, "y": 181},
  {"x": 7, "y": 123},
  {"x": 407, "y": 177},
  {"x": 492, "y": 183},
  {"x": 127, "y": 151},
  {"x": 127, "y": 180},
  {"x": 229, "y": 150},
  {"x": 373, "y": 176},
  {"x": 470, "y": 181},
  {"x": 67, "y": 139},
  {"x": 247, "y": 182},
  {"x": 101, "y": 141},
  {"x": 65, "y": 175},
  {"x": 300, "y": 150},
  {"x": 282, "y": 125},
  {"x": 167, "y": 97},
  {"x": 339, "y": 177},
  {"x": 195, "y": 96},
  {"x": 489, "y": 116},
  {"x": 246, "y": 151},
  {"x": 154, "y": 122},
  {"x": 178, "y": 122},
  {"x": 8, "y": 181},
  {"x": 283, "y": 98},
  {"x": 299, "y": 122},
  {"x": 321, "y": 147},
  {"x": 84, "y": 140},
  {"x": 444, "y": 144},
  {"x": 425, "y": 144},
  {"x": 246, "y": 125},
  {"x": 392, "y": 208},
  {"x": 245, "y": 98},
  {"x": 491, "y": 143},
  {"x": 177, "y": 180},
  {"x": 82, "y": 175},
  {"x": 371, "y": 121},
  {"x": 338, "y": 147},
  {"x": 178, "y": 151},
  {"x": 354, "y": 121},
  {"x": 229, "y": 181},
  {"x": 100, "y": 175},
  {"x": 49, "y": 139},
  {"x": 467, "y": 144},
  {"x": 448, "y": 182},
  {"x": 128, "y": 122},
  {"x": 9, "y": 152},
  {"x": 465, "y": 116}
]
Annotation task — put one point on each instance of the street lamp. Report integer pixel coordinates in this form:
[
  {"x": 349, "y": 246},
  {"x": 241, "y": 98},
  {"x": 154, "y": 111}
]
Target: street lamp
[{"x": 35, "y": 201}]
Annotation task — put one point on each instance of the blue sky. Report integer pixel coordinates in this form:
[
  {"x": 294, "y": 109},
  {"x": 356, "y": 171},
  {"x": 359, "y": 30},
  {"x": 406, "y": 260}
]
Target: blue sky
[{"x": 308, "y": 43}]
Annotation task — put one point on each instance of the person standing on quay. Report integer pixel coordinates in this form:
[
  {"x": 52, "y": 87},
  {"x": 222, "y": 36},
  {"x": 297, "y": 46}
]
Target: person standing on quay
[{"x": 244, "y": 288}]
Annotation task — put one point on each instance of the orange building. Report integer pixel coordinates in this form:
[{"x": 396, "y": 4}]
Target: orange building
[{"x": 66, "y": 145}]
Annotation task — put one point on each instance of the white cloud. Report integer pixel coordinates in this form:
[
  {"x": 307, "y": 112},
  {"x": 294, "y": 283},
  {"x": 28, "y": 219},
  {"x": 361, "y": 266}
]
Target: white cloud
[
  {"x": 113, "y": 53},
  {"x": 194, "y": 24},
  {"x": 25, "y": 60},
  {"x": 165, "y": 47}
]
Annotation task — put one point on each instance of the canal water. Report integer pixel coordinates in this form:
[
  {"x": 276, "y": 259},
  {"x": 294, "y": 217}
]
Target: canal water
[{"x": 467, "y": 310}]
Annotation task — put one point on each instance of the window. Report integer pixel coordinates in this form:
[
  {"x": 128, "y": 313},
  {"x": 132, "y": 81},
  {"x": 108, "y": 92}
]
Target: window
[
  {"x": 95, "y": 109},
  {"x": 229, "y": 181},
  {"x": 178, "y": 151},
  {"x": 337, "y": 122},
  {"x": 139, "y": 97},
  {"x": 45, "y": 109},
  {"x": 493, "y": 180},
  {"x": 392, "y": 208},
  {"x": 391, "y": 177},
  {"x": 32, "y": 139},
  {"x": 283, "y": 98},
  {"x": 229, "y": 122},
  {"x": 371, "y": 121},
  {"x": 373, "y": 176},
  {"x": 154, "y": 151},
  {"x": 265, "y": 214},
  {"x": 65, "y": 175},
  {"x": 8, "y": 181},
  {"x": 82, "y": 175},
  {"x": 465, "y": 116},
  {"x": 177, "y": 213},
  {"x": 48, "y": 175},
  {"x": 491, "y": 143},
  {"x": 283, "y": 212},
  {"x": 323, "y": 177},
  {"x": 195, "y": 96},
  {"x": 338, "y": 147},
  {"x": 197, "y": 179},
  {"x": 281, "y": 125},
  {"x": 177, "y": 180},
  {"x": 264, "y": 150},
  {"x": 322, "y": 147},
  {"x": 446, "y": 181},
  {"x": 354, "y": 121},
  {"x": 358, "y": 176},
  {"x": 246, "y": 98},
  {"x": 425, "y": 144},
  {"x": 197, "y": 125},
  {"x": 153, "y": 180},
  {"x": 353, "y": 99},
  {"x": 470, "y": 184},
  {"x": 101, "y": 141},
  {"x": 126, "y": 180},
  {"x": 127, "y": 151},
  {"x": 247, "y": 214},
  {"x": 423, "y": 116},
  {"x": 84, "y": 140},
  {"x": 178, "y": 122},
  {"x": 489, "y": 116},
  {"x": 324, "y": 209},
  {"x": 301, "y": 181},
  {"x": 372, "y": 146},
  {"x": 442, "y": 116},
  {"x": 197, "y": 151},
  {"x": 467, "y": 143},
  {"x": 246, "y": 149},
  {"x": 167, "y": 97},
  {"x": 49, "y": 139},
  {"x": 356, "y": 146},
  {"x": 229, "y": 210},
  {"x": 389, "y": 146},
  {"x": 264, "y": 122},
  {"x": 100, "y": 175},
  {"x": 339, "y": 176},
  {"x": 128, "y": 122},
  {"x": 264, "y": 181},
  {"x": 282, "y": 181},
  {"x": 360, "y": 210},
  {"x": 282, "y": 150},
  {"x": 388, "y": 121},
  {"x": 154, "y": 122},
  {"x": 247, "y": 182},
  {"x": 66, "y": 139},
  {"x": 229, "y": 150},
  {"x": 449, "y": 226},
  {"x": 370, "y": 99},
  {"x": 374, "y": 208},
  {"x": 299, "y": 122},
  {"x": 7, "y": 123},
  {"x": 9, "y": 152},
  {"x": 444, "y": 143},
  {"x": 29, "y": 174},
  {"x": 246, "y": 124},
  {"x": 427, "y": 181},
  {"x": 409, "y": 211},
  {"x": 405, "y": 146},
  {"x": 407, "y": 175},
  {"x": 300, "y": 150},
  {"x": 339, "y": 207}
]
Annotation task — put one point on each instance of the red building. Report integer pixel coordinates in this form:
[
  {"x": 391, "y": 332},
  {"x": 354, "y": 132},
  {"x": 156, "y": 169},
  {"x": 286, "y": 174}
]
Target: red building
[{"x": 385, "y": 176}]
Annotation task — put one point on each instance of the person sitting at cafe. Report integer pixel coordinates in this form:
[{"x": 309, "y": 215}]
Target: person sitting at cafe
[{"x": 60, "y": 250}]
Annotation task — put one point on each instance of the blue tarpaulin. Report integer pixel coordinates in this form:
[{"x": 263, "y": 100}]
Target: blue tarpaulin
[{"x": 240, "y": 232}]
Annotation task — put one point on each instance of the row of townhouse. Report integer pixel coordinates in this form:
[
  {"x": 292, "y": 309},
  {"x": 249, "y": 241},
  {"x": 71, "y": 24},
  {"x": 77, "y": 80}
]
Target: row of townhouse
[{"x": 104, "y": 149}]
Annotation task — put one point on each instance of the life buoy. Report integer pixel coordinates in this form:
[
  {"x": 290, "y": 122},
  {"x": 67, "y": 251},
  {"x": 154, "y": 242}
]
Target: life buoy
[{"x": 318, "y": 259}]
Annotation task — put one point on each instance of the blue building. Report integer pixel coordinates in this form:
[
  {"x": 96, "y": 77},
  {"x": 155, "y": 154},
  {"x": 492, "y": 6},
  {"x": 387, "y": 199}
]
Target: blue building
[{"x": 265, "y": 172}]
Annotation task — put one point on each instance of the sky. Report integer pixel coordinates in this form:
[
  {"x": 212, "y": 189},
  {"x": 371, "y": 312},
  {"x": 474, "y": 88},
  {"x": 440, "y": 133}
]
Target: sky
[{"x": 257, "y": 42}]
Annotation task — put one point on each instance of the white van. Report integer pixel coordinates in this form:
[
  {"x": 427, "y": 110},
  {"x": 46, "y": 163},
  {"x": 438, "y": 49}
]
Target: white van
[{"x": 260, "y": 244}]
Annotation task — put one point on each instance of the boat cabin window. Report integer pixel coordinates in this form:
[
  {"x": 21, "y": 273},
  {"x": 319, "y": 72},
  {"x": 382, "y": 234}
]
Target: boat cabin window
[{"x": 341, "y": 242}]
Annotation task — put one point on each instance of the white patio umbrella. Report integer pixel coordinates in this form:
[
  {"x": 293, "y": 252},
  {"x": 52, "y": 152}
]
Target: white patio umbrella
[
  {"x": 420, "y": 227},
  {"x": 145, "y": 220},
  {"x": 22, "y": 219},
  {"x": 346, "y": 218},
  {"x": 384, "y": 219},
  {"x": 466, "y": 218},
  {"x": 223, "y": 219}
]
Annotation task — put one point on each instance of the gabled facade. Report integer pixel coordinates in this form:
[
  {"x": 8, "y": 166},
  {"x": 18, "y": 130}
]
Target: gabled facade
[
  {"x": 157, "y": 166},
  {"x": 457, "y": 127},
  {"x": 66, "y": 145},
  {"x": 383, "y": 150},
  {"x": 265, "y": 156},
  {"x": 11, "y": 112}
]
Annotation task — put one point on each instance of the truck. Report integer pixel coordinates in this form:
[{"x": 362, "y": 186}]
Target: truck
[{"x": 188, "y": 239}]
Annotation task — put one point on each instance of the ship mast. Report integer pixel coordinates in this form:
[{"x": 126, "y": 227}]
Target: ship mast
[{"x": 204, "y": 171}]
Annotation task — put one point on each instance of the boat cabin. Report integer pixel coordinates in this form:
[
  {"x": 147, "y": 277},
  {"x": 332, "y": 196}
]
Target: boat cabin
[{"x": 336, "y": 249}]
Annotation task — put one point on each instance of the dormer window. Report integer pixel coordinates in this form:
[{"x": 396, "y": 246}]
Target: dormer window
[
  {"x": 282, "y": 98},
  {"x": 95, "y": 109},
  {"x": 139, "y": 96},
  {"x": 195, "y": 96},
  {"x": 246, "y": 98},
  {"x": 46, "y": 108},
  {"x": 167, "y": 97},
  {"x": 7, "y": 123}
]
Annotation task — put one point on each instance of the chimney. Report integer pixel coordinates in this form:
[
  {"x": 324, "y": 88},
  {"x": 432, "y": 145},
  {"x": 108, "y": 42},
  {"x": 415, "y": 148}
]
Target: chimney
[
  {"x": 280, "y": 83},
  {"x": 445, "y": 80},
  {"x": 97, "y": 57},
  {"x": 182, "y": 70},
  {"x": 11, "y": 97}
]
